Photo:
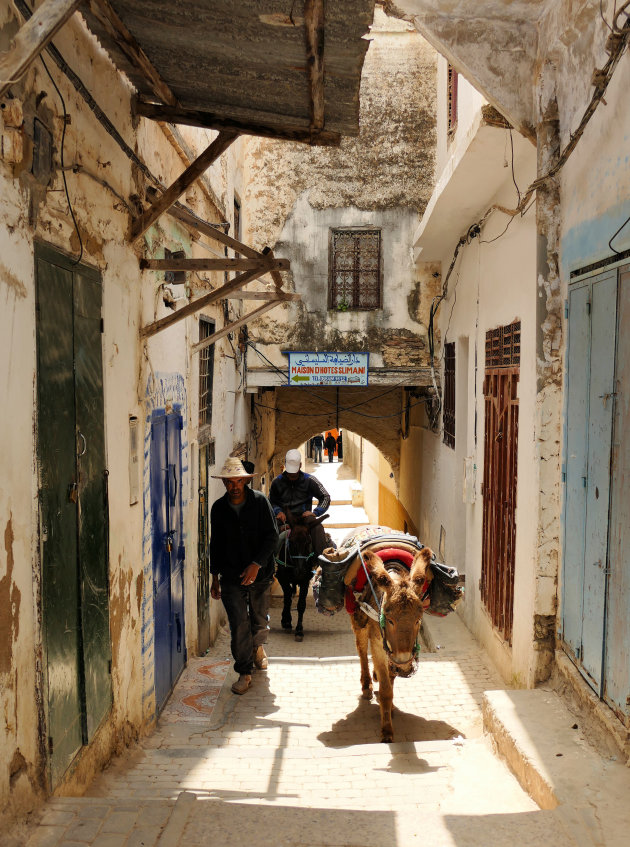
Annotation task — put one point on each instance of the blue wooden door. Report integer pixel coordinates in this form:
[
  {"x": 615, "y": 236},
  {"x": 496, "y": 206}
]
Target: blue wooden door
[
  {"x": 176, "y": 553},
  {"x": 590, "y": 392},
  {"x": 168, "y": 553}
]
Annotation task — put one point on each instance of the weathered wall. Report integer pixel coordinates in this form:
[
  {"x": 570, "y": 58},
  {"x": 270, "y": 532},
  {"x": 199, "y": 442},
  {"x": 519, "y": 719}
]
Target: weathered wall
[
  {"x": 383, "y": 178},
  {"x": 101, "y": 179}
]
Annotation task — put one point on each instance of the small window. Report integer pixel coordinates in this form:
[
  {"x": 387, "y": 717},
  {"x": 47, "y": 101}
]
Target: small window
[
  {"x": 449, "y": 395},
  {"x": 451, "y": 105},
  {"x": 206, "y": 374},
  {"x": 355, "y": 269}
]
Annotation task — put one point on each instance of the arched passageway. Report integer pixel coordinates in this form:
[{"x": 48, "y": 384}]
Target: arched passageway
[{"x": 374, "y": 413}]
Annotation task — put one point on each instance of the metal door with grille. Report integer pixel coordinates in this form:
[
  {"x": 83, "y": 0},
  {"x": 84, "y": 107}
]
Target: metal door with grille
[{"x": 500, "y": 475}]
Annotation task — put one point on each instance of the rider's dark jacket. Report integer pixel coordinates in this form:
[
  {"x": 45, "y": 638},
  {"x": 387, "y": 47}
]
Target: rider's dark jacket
[
  {"x": 237, "y": 540},
  {"x": 297, "y": 494}
]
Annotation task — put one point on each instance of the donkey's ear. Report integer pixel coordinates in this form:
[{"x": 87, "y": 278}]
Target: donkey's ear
[
  {"x": 420, "y": 570},
  {"x": 315, "y": 521},
  {"x": 376, "y": 569}
]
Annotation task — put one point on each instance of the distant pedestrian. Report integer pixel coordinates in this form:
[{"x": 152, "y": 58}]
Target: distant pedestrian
[
  {"x": 340, "y": 446},
  {"x": 318, "y": 446},
  {"x": 330, "y": 444},
  {"x": 243, "y": 539}
]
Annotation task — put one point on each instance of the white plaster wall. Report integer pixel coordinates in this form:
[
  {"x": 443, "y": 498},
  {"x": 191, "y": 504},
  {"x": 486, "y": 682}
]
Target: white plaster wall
[
  {"x": 493, "y": 284},
  {"x": 129, "y": 370}
]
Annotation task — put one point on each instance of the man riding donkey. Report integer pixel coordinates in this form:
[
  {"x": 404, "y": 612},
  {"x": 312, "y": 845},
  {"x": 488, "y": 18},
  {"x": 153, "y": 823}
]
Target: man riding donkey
[
  {"x": 243, "y": 539},
  {"x": 291, "y": 495}
]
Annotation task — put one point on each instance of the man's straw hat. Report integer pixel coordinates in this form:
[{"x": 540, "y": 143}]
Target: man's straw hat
[{"x": 232, "y": 468}]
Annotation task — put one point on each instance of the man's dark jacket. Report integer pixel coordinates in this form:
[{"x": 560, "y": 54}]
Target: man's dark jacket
[
  {"x": 331, "y": 443},
  {"x": 297, "y": 494},
  {"x": 238, "y": 540}
]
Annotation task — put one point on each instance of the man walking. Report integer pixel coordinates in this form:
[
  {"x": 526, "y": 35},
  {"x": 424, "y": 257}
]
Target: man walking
[
  {"x": 331, "y": 443},
  {"x": 243, "y": 538},
  {"x": 294, "y": 491},
  {"x": 318, "y": 446}
]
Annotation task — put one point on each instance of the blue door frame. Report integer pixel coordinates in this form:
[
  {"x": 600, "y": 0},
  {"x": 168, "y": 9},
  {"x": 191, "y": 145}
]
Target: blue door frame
[{"x": 168, "y": 552}]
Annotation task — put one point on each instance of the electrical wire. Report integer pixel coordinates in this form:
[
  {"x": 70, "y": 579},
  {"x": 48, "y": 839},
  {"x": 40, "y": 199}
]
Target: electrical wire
[
  {"x": 624, "y": 224},
  {"x": 360, "y": 414},
  {"x": 518, "y": 191},
  {"x": 63, "y": 167}
]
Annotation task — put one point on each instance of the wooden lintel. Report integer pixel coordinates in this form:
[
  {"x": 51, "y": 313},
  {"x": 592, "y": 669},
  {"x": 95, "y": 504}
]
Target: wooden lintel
[
  {"x": 263, "y": 265},
  {"x": 314, "y": 33},
  {"x": 113, "y": 25},
  {"x": 209, "y": 120},
  {"x": 220, "y": 144},
  {"x": 216, "y": 336},
  {"x": 200, "y": 303},
  {"x": 179, "y": 213},
  {"x": 289, "y": 296},
  {"x": 31, "y": 39}
]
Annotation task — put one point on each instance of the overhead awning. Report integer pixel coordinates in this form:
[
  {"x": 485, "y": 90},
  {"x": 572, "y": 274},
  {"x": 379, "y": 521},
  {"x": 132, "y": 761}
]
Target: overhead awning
[{"x": 284, "y": 68}]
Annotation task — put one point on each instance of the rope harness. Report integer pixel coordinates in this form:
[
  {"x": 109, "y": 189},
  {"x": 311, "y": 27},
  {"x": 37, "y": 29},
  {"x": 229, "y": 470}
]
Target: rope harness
[{"x": 378, "y": 615}]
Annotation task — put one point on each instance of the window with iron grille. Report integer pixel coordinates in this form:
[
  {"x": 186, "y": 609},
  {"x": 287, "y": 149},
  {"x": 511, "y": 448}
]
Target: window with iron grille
[
  {"x": 503, "y": 346},
  {"x": 206, "y": 373},
  {"x": 355, "y": 269},
  {"x": 449, "y": 395},
  {"x": 451, "y": 105}
]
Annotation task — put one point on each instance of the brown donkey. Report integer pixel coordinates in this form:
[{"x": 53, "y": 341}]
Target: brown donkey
[{"x": 392, "y": 628}]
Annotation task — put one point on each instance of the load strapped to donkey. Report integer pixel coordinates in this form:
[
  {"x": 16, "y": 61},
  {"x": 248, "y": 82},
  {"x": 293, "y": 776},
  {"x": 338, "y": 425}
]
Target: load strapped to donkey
[{"x": 342, "y": 580}]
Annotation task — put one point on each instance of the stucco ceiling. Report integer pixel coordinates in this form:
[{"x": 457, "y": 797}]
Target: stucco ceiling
[{"x": 243, "y": 60}]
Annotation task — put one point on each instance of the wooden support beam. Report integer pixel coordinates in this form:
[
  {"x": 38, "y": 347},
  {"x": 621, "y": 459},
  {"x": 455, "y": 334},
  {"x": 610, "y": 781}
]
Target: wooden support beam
[
  {"x": 314, "y": 32},
  {"x": 287, "y": 296},
  {"x": 174, "y": 264},
  {"x": 209, "y": 120},
  {"x": 31, "y": 39},
  {"x": 113, "y": 25},
  {"x": 200, "y": 303},
  {"x": 204, "y": 227},
  {"x": 216, "y": 336},
  {"x": 193, "y": 172}
]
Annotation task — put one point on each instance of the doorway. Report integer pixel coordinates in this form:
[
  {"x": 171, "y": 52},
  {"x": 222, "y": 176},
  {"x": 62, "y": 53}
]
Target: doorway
[
  {"x": 73, "y": 505},
  {"x": 168, "y": 552}
]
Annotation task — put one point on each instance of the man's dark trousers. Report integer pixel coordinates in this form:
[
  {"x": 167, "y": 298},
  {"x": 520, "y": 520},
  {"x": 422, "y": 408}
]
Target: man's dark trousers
[{"x": 246, "y": 609}]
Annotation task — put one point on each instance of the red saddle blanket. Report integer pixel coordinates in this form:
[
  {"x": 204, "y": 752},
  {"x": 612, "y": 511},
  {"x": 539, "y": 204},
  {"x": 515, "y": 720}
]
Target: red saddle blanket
[{"x": 390, "y": 554}]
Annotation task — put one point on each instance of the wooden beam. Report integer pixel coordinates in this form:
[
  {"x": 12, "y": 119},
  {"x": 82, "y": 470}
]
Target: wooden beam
[
  {"x": 31, "y": 39},
  {"x": 210, "y": 120},
  {"x": 287, "y": 296},
  {"x": 314, "y": 32},
  {"x": 193, "y": 172},
  {"x": 174, "y": 264},
  {"x": 179, "y": 213},
  {"x": 216, "y": 336},
  {"x": 200, "y": 303},
  {"x": 113, "y": 25}
]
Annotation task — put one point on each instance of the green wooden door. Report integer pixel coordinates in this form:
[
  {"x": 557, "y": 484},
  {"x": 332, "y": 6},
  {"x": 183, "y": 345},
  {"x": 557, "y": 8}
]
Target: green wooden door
[{"x": 73, "y": 507}]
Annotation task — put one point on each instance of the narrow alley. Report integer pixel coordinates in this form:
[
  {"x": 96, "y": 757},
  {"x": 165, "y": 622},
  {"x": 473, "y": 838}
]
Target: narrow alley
[{"x": 296, "y": 762}]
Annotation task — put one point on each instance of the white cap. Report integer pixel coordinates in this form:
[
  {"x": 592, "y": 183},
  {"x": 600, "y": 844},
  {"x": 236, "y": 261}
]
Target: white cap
[{"x": 292, "y": 461}]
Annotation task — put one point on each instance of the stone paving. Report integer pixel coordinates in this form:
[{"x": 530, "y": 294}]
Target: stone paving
[{"x": 297, "y": 761}]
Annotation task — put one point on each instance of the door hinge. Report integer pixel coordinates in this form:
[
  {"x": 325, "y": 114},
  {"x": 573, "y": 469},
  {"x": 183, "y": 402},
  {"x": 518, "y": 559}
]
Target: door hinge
[
  {"x": 109, "y": 667},
  {"x": 564, "y": 473},
  {"x": 102, "y": 325},
  {"x": 566, "y": 308},
  {"x": 588, "y": 307},
  {"x": 51, "y": 746}
]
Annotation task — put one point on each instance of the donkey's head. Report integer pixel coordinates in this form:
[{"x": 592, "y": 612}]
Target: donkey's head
[
  {"x": 300, "y": 543},
  {"x": 401, "y": 607}
]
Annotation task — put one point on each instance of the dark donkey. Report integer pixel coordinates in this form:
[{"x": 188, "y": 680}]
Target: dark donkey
[{"x": 296, "y": 561}]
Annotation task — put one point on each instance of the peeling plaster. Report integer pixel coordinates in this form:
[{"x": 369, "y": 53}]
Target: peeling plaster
[{"x": 10, "y": 599}]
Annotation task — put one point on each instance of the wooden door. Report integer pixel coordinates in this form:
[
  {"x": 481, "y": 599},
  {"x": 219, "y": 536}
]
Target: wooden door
[
  {"x": 500, "y": 475},
  {"x": 73, "y": 506}
]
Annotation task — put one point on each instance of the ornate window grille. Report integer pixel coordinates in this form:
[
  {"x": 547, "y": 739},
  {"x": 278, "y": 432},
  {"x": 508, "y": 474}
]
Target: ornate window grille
[
  {"x": 206, "y": 373},
  {"x": 449, "y": 395},
  {"x": 355, "y": 269}
]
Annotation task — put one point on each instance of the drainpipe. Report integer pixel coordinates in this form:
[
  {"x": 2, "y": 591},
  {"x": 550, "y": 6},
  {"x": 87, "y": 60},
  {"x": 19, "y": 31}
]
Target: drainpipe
[{"x": 548, "y": 414}]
